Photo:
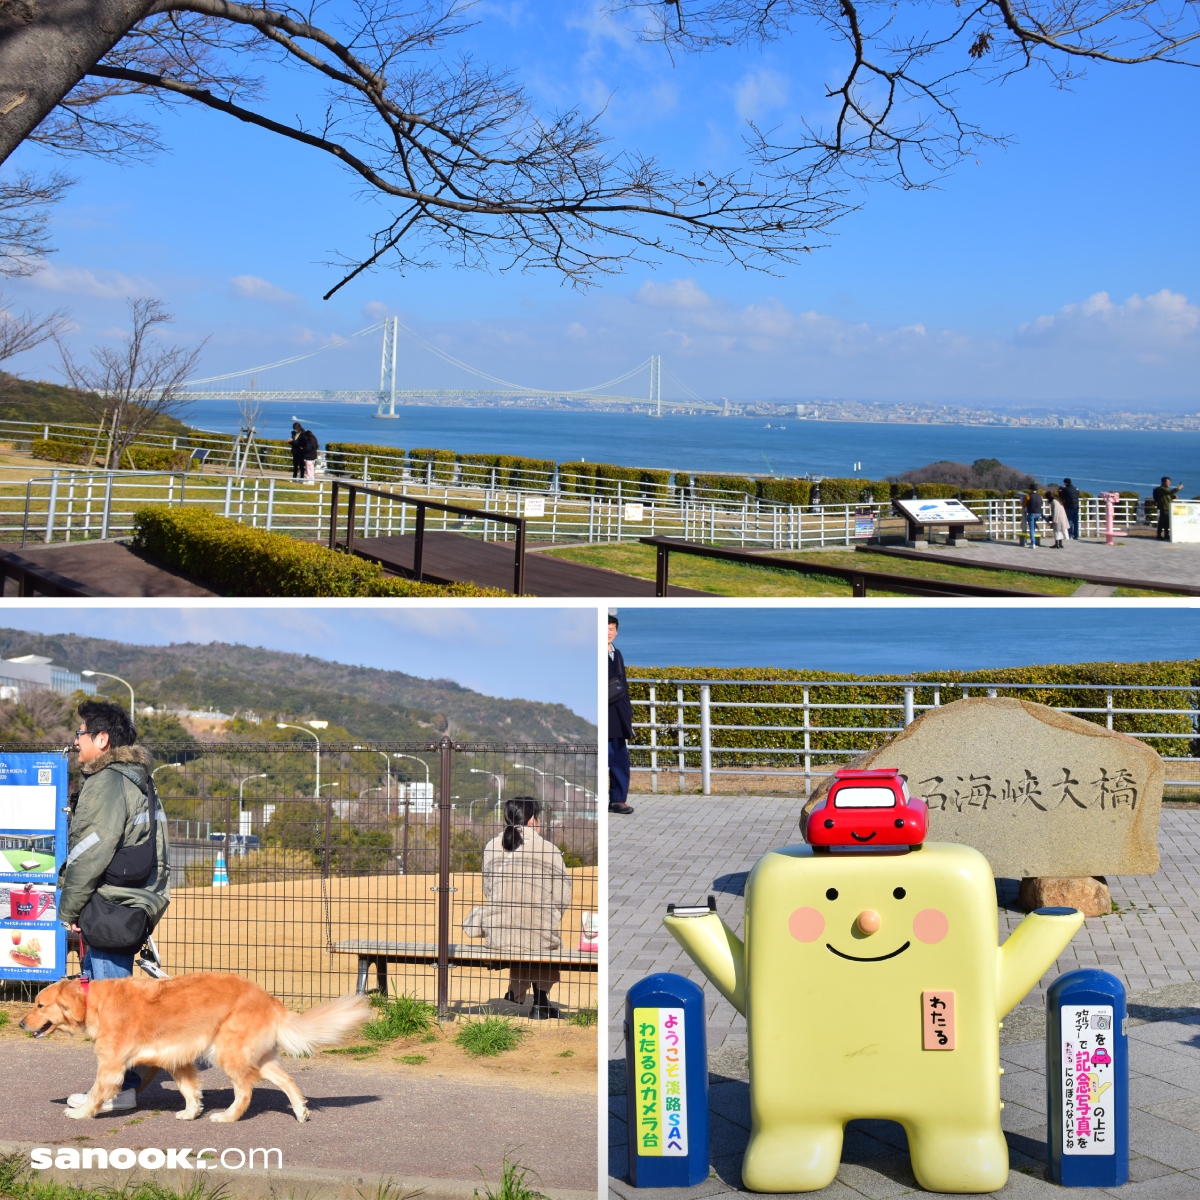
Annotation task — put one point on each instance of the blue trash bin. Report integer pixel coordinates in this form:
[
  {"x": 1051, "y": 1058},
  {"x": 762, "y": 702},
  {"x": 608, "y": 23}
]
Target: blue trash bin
[
  {"x": 1087, "y": 1080},
  {"x": 666, "y": 1082}
]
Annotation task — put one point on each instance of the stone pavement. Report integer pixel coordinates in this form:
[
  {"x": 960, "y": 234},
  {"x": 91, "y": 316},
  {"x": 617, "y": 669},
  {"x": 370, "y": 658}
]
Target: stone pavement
[
  {"x": 1152, "y": 944},
  {"x": 1132, "y": 561}
]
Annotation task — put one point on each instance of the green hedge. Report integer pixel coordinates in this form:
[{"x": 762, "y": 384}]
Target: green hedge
[
  {"x": 601, "y": 479},
  {"x": 529, "y": 474},
  {"x": 1057, "y": 692},
  {"x": 55, "y": 450},
  {"x": 444, "y": 464},
  {"x": 727, "y": 487},
  {"x": 854, "y": 491},
  {"x": 786, "y": 491},
  {"x": 349, "y": 458},
  {"x": 239, "y": 560}
]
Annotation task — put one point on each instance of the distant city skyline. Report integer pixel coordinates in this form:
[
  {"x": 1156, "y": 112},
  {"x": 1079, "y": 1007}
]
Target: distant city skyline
[{"x": 1063, "y": 270}]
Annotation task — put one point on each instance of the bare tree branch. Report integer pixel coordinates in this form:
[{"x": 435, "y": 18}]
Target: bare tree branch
[
  {"x": 129, "y": 387},
  {"x": 22, "y": 331},
  {"x": 25, "y": 203}
]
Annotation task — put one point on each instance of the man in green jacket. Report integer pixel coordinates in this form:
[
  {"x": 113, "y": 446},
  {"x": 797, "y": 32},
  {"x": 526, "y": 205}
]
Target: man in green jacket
[{"x": 112, "y": 811}]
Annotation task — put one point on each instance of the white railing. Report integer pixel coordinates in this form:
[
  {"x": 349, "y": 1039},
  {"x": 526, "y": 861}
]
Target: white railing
[
  {"x": 74, "y": 505},
  {"x": 682, "y": 737}
]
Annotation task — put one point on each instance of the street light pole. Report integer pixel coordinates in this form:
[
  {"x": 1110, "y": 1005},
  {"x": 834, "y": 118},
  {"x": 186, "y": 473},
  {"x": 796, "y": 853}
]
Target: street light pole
[
  {"x": 106, "y": 675},
  {"x": 408, "y": 808},
  {"x": 284, "y": 725},
  {"x": 241, "y": 805}
]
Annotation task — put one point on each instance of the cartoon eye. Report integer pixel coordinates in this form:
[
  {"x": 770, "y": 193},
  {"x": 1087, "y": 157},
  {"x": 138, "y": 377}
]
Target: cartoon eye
[
  {"x": 899, "y": 893},
  {"x": 831, "y": 894}
]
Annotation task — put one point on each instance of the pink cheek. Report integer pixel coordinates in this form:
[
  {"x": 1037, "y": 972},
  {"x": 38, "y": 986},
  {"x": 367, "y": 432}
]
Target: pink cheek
[
  {"x": 931, "y": 925},
  {"x": 806, "y": 924}
]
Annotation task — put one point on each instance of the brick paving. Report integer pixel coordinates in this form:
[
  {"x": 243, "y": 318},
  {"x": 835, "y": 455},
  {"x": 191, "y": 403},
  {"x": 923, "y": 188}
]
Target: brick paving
[{"x": 1152, "y": 944}]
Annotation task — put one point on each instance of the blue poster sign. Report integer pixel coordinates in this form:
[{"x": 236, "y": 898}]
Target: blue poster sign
[{"x": 33, "y": 846}]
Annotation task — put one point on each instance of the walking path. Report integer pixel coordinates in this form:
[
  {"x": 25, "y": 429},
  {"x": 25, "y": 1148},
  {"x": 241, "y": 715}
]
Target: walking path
[
  {"x": 367, "y": 1125},
  {"x": 1152, "y": 945},
  {"x": 101, "y": 569},
  {"x": 1136, "y": 562}
]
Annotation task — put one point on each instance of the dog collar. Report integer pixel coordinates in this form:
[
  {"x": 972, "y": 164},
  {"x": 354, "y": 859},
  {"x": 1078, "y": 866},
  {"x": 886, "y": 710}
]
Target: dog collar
[{"x": 84, "y": 981}]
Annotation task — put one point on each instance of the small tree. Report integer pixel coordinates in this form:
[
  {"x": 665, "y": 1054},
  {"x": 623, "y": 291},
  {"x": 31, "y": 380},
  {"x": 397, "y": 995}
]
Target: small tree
[
  {"x": 131, "y": 387},
  {"x": 23, "y": 331}
]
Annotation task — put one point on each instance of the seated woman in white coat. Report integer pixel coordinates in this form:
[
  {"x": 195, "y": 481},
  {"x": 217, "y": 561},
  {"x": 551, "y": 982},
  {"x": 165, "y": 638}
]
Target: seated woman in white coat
[{"x": 527, "y": 889}]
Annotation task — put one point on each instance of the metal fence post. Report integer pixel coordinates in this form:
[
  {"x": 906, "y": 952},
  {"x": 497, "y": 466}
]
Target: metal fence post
[
  {"x": 445, "y": 816},
  {"x": 108, "y": 487},
  {"x": 680, "y": 735},
  {"x": 705, "y": 740},
  {"x": 1108, "y": 703},
  {"x": 807, "y": 746},
  {"x": 50, "y": 508},
  {"x": 908, "y": 706},
  {"x": 228, "y": 494},
  {"x": 653, "y": 741}
]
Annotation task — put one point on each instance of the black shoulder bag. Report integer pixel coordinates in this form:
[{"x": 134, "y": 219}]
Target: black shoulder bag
[{"x": 122, "y": 928}]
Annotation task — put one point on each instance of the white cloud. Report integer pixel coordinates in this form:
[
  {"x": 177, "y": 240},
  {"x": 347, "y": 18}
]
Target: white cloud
[
  {"x": 678, "y": 293},
  {"x": 756, "y": 94},
  {"x": 1149, "y": 327},
  {"x": 377, "y": 310},
  {"x": 253, "y": 287},
  {"x": 101, "y": 285}
]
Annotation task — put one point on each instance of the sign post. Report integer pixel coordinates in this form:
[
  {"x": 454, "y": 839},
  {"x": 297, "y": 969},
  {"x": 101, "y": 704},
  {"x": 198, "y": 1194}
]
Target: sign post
[
  {"x": 1087, "y": 1078},
  {"x": 921, "y": 514},
  {"x": 666, "y": 1082},
  {"x": 33, "y": 846}
]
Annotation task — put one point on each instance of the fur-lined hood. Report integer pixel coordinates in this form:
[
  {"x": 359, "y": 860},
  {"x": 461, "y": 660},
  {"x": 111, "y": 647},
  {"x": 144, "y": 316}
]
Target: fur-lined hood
[{"x": 133, "y": 755}]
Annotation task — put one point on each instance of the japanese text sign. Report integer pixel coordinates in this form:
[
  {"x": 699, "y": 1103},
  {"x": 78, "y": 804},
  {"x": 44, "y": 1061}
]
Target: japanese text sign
[{"x": 659, "y": 1055}]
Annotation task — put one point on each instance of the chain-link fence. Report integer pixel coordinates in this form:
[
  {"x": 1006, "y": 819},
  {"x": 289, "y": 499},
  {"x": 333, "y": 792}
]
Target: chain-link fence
[{"x": 314, "y": 868}]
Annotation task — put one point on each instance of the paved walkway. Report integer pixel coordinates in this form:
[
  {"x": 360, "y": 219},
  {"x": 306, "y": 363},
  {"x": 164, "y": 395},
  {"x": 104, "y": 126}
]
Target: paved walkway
[
  {"x": 1133, "y": 562},
  {"x": 1152, "y": 945},
  {"x": 371, "y": 1123},
  {"x": 104, "y": 569}
]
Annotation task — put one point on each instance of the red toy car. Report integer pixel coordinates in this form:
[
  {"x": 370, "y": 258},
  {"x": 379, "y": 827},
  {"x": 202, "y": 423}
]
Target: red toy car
[{"x": 868, "y": 808}]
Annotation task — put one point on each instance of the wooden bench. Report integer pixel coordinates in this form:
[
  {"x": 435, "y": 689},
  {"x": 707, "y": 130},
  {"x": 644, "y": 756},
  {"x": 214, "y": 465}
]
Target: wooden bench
[{"x": 460, "y": 955}]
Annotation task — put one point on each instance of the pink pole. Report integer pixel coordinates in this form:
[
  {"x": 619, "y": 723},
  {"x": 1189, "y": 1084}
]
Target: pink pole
[{"x": 1110, "y": 499}]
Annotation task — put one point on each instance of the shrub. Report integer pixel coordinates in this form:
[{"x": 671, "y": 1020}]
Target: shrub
[
  {"x": 399, "y": 1017},
  {"x": 853, "y": 491},
  {"x": 937, "y": 491},
  {"x": 153, "y": 458},
  {"x": 980, "y": 494},
  {"x": 348, "y": 459},
  {"x": 444, "y": 462},
  {"x": 57, "y": 450},
  {"x": 785, "y": 491},
  {"x": 577, "y": 478},
  {"x": 479, "y": 470},
  {"x": 725, "y": 487},
  {"x": 490, "y": 1037},
  {"x": 239, "y": 560},
  {"x": 531, "y": 474}
]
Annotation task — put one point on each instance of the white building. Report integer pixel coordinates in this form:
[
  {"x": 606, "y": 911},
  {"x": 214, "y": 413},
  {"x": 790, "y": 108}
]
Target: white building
[{"x": 33, "y": 672}]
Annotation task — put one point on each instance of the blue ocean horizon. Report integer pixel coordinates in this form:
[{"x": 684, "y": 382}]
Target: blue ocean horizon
[
  {"x": 863, "y": 640},
  {"x": 1096, "y": 459}
]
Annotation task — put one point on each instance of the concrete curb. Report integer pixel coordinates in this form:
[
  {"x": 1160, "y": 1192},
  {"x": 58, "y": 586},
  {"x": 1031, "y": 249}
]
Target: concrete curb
[{"x": 296, "y": 1183}]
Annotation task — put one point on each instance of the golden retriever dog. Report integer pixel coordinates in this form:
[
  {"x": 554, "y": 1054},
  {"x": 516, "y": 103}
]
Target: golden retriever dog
[{"x": 170, "y": 1024}]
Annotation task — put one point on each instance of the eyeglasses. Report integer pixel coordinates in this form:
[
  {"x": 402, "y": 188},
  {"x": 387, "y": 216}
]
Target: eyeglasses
[{"x": 81, "y": 733}]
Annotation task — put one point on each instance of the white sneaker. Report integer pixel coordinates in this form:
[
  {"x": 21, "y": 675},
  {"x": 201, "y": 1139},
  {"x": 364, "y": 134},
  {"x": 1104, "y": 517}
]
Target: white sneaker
[{"x": 121, "y": 1102}]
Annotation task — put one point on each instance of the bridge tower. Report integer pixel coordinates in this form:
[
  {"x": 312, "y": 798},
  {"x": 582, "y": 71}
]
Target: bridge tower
[
  {"x": 656, "y": 384},
  {"x": 387, "y": 368}
]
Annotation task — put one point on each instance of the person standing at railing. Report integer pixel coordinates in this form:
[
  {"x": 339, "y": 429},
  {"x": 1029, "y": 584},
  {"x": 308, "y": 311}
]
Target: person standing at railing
[
  {"x": 1033, "y": 514},
  {"x": 309, "y": 450},
  {"x": 297, "y": 450},
  {"x": 1163, "y": 495},
  {"x": 1057, "y": 515},
  {"x": 620, "y": 724},
  {"x": 1068, "y": 496},
  {"x": 527, "y": 888}
]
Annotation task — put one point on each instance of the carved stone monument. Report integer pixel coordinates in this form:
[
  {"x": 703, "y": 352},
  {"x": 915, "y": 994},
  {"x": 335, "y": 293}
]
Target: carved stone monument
[{"x": 1047, "y": 798}]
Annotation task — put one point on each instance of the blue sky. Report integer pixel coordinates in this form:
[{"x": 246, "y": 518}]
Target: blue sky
[
  {"x": 545, "y": 654},
  {"x": 1060, "y": 269}
]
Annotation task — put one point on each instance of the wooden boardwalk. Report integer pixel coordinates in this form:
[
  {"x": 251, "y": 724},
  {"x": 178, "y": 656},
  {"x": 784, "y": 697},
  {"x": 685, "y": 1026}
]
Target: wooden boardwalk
[
  {"x": 455, "y": 558},
  {"x": 97, "y": 569}
]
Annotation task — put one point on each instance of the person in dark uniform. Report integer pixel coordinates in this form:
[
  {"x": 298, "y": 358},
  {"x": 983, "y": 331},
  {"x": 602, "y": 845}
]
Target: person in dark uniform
[
  {"x": 620, "y": 724},
  {"x": 1068, "y": 496},
  {"x": 1163, "y": 495}
]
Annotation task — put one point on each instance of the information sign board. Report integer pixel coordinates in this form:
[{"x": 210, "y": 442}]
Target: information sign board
[
  {"x": 937, "y": 512},
  {"x": 1185, "y": 521},
  {"x": 33, "y": 847}
]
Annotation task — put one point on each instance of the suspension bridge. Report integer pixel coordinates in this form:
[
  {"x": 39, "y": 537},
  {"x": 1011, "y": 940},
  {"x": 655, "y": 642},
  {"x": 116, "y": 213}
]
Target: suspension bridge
[{"x": 482, "y": 385}]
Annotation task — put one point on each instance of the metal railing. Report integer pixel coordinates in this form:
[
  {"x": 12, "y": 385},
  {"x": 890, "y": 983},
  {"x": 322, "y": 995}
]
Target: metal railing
[
  {"x": 77, "y": 504},
  {"x": 680, "y": 736},
  {"x": 282, "y": 874},
  {"x": 385, "y": 512}
]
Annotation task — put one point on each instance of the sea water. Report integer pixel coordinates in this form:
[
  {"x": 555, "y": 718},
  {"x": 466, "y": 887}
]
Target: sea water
[
  {"x": 1095, "y": 459},
  {"x": 895, "y": 641}
]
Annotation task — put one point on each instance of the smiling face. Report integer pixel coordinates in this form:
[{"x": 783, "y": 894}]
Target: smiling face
[
  {"x": 841, "y": 946},
  {"x": 59, "y": 1006}
]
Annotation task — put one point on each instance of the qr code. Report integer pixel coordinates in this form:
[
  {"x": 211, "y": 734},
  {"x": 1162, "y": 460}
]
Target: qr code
[
  {"x": 1101, "y": 1021},
  {"x": 45, "y": 776}
]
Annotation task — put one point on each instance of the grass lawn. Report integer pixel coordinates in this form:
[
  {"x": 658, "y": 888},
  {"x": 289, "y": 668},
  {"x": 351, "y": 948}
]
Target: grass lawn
[
  {"x": 706, "y": 574},
  {"x": 15, "y": 857}
]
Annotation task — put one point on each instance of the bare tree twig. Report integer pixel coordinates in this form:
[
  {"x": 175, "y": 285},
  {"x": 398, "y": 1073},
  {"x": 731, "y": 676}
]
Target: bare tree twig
[{"x": 23, "y": 331}]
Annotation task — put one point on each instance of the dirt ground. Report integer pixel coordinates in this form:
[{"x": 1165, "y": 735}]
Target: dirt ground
[{"x": 553, "y": 1056}]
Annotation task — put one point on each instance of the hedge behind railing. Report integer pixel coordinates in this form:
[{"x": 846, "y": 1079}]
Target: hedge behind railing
[
  {"x": 239, "y": 560},
  {"x": 1059, "y": 690}
]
